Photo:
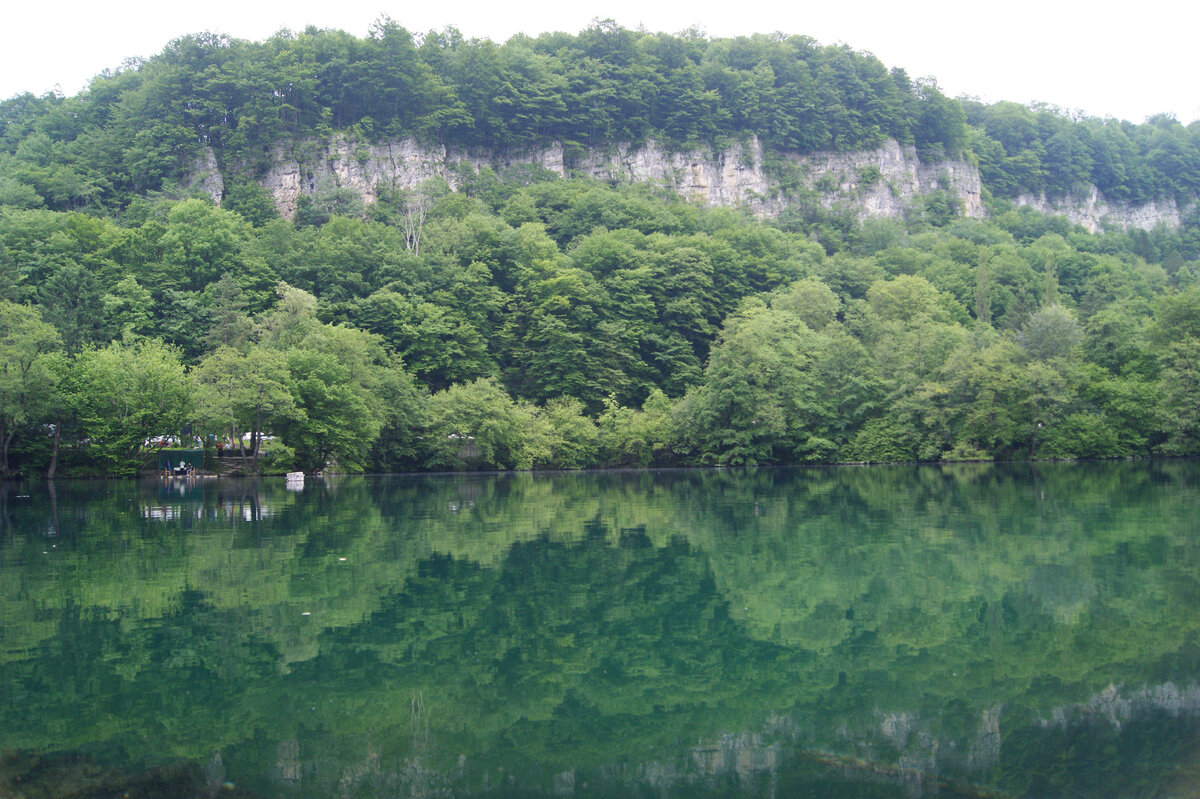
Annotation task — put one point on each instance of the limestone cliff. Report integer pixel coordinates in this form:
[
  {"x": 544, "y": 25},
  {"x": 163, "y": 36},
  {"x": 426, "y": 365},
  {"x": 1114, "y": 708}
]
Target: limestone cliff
[
  {"x": 1094, "y": 213},
  {"x": 881, "y": 182},
  {"x": 205, "y": 177},
  {"x": 885, "y": 182}
]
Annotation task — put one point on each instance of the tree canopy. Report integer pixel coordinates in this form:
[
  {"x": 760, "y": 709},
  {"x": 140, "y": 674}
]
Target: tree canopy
[{"x": 599, "y": 322}]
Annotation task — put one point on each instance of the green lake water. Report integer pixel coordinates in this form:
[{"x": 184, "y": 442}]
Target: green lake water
[{"x": 973, "y": 630}]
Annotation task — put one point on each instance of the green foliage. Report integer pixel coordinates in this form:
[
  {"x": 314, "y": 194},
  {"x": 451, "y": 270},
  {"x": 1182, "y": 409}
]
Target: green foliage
[
  {"x": 1177, "y": 317},
  {"x": 1051, "y": 332},
  {"x": 335, "y": 422},
  {"x": 884, "y": 440},
  {"x": 244, "y": 392},
  {"x": 477, "y": 425},
  {"x": 200, "y": 244},
  {"x": 125, "y": 394},
  {"x": 610, "y": 326},
  {"x": 141, "y": 129},
  {"x": 71, "y": 301},
  {"x": 345, "y": 386},
  {"x": 28, "y": 382},
  {"x": 775, "y": 391},
  {"x": 639, "y": 438},
  {"x": 128, "y": 308},
  {"x": 1041, "y": 151},
  {"x": 811, "y": 301},
  {"x": 1081, "y": 435},
  {"x": 575, "y": 439},
  {"x": 1181, "y": 388},
  {"x": 906, "y": 299},
  {"x": 251, "y": 202}
]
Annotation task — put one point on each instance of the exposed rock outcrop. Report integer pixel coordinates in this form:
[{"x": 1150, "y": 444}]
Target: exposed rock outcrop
[
  {"x": 205, "y": 177},
  {"x": 1094, "y": 213},
  {"x": 882, "y": 182},
  {"x": 886, "y": 182}
]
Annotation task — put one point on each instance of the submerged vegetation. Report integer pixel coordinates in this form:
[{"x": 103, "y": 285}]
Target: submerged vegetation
[{"x": 532, "y": 321}]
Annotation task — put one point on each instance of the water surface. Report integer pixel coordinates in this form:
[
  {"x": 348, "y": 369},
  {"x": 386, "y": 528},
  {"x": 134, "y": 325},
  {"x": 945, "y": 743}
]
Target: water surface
[{"x": 974, "y": 630}]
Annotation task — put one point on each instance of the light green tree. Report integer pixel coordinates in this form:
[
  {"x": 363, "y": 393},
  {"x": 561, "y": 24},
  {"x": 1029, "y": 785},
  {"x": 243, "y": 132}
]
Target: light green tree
[
  {"x": 27, "y": 383},
  {"x": 810, "y": 300},
  {"x": 764, "y": 397},
  {"x": 244, "y": 392},
  {"x": 575, "y": 443},
  {"x": 125, "y": 394},
  {"x": 478, "y": 425},
  {"x": 1050, "y": 333},
  {"x": 633, "y": 437},
  {"x": 1180, "y": 406},
  {"x": 128, "y": 307}
]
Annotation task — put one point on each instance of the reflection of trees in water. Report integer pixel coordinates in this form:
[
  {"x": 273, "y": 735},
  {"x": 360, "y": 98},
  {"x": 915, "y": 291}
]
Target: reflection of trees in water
[
  {"x": 912, "y": 619},
  {"x": 26, "y": 774}
]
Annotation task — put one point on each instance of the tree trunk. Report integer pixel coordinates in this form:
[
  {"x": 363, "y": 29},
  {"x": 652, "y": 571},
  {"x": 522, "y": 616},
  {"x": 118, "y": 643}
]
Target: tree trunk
[
  {"x": 50, "y": 487},
  {"x": 256, "y": 435},
  {"x": 241, "y": 447},
  {"x": 53, "y": 467},
  {"x": 8, "y": 437}
]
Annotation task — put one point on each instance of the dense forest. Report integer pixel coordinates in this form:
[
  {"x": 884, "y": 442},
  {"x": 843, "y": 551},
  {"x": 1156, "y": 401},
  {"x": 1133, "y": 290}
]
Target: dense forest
[{"x": 527, "y": 320}]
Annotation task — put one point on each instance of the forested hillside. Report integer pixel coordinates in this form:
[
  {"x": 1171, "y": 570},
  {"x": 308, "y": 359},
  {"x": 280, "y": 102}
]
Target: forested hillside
[
  {"x": 131, "y": 131},
  {"x": 529, "y": 320}
]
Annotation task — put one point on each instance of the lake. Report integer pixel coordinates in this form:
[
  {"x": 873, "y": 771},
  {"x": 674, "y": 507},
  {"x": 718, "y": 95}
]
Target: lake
[{"x": 972, "y": 630}]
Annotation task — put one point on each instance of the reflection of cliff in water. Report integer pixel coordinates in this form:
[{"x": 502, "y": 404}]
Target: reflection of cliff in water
[
  {"x": 1119, "y": 706},
  {"x": 903, "y": 630},
  {"x": 1091, "y": 755},
  {"x": 780, "y": 759},
  {"x": 895, "y": 757}
]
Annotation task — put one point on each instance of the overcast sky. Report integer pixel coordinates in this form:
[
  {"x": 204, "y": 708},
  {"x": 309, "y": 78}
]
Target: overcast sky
[{"x": 1078, "y": 56}]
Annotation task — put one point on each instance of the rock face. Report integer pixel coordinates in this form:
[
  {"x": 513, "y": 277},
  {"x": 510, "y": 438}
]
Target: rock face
[
  {"x": 882, "y": 182},
  {"x": 886, "y": 182},
  {"x": 205, "y": 176},
  {"x": 1096, "y": 214}
]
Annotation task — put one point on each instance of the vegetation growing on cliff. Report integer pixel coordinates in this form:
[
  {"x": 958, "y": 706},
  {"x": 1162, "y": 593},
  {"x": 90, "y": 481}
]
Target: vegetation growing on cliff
[
  {"x": 140, "y": 129},
  {"x": 1040, "y": 151},
  {"x": 131, "y": 131},
  {"x": 570, "y": 323}
]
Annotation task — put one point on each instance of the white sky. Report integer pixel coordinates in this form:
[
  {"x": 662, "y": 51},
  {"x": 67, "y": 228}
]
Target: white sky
[{"x": 1128, "y": 61}]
